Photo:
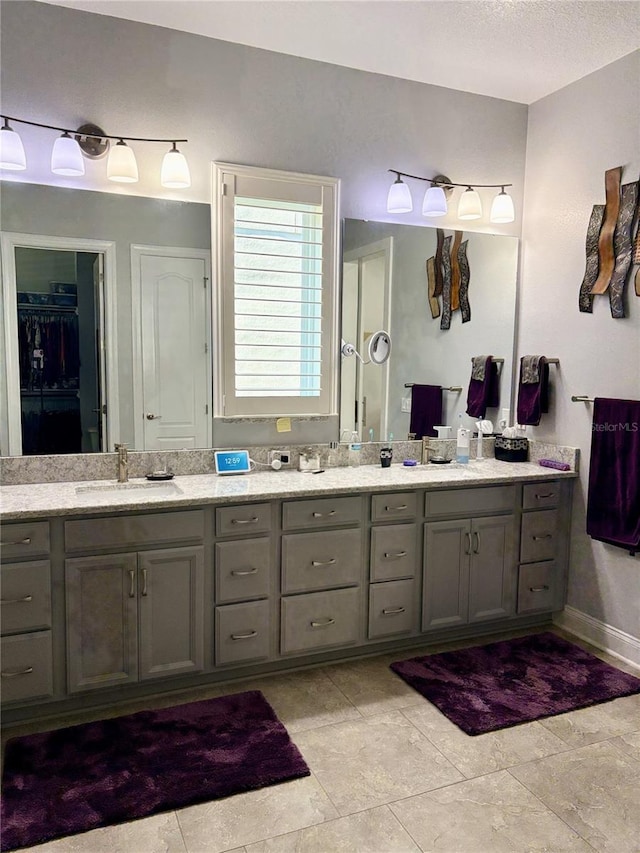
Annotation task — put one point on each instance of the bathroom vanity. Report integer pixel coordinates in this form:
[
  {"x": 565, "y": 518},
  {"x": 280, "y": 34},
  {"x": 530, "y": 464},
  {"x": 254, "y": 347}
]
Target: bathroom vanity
[{"x": 111, "y": 594}]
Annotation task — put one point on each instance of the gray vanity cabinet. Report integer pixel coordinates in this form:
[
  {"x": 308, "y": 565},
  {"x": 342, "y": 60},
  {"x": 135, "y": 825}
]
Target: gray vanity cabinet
[{"x": 134, "y": 616}]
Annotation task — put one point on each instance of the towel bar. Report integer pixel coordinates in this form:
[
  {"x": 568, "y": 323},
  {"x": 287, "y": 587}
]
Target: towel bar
[
  {"x": 581, "y": 398},
  {"x": 449, "y": 388}
]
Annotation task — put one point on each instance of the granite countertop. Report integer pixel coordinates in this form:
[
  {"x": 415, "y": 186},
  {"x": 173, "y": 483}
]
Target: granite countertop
[{"x": 100, "y": 496}]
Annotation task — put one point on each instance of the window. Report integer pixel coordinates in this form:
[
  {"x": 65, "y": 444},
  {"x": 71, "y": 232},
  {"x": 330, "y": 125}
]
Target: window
[{"x": 275, "y": 241}]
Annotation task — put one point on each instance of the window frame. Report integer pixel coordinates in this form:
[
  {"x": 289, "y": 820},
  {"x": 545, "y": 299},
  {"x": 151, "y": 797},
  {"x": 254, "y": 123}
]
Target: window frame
[{"x": 227, "y": 405}]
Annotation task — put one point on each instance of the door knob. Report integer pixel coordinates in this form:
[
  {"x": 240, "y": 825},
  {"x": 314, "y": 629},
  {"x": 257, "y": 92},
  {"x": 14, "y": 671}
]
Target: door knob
[{"x": 152, "y": 417}]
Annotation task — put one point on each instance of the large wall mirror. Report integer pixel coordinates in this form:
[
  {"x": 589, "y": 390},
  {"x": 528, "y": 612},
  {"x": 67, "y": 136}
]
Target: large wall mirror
[{"x": 385, "y": 286}]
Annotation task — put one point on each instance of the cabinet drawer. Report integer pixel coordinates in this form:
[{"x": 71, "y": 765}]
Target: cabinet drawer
[
  {"x": 319, "y": 620},
  {"x": 242, "y": 632},
  {"x": 536, "y": 587},
  {"x": 243, "y": 569},
  {"x": 539, "y": 535},
  {"x": 391, "y": 608},
  {"x": 27, "y": 670},
  {"x": 393, "y": 552},
  {"x": 540, "y": 495},
  {"x": 133, "y": 531},
  {"x": 245, "y": 519},
  {"x": 394, "y": 507},
  {"x": 26, "y": 597},
  {"x": 27, "y": 539},
  {"x": 488, "y": 499},
  {"x": 321, "y": 560},
  {"x": 321, "y": 512}
]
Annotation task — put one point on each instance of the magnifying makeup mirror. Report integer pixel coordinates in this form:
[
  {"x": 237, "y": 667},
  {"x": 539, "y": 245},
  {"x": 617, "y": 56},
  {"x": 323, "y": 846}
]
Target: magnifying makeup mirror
[{"x": 378, "y": 348}]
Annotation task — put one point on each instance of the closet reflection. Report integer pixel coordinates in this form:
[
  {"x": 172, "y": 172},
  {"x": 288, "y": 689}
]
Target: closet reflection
[{"x": 59, "y": 334}]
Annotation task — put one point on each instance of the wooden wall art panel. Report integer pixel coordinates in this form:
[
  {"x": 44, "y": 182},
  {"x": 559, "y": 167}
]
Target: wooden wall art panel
[
  {"x": 455, "y": 271},
  {"x": 465, "y": 278},
  {"x": 605, "y": 241},
  {"x": 585, "y": 299},
  {"x": 431, "y": 287},
  {"x": 623, "y": 248},
  {"x": 445, "y": 319}
]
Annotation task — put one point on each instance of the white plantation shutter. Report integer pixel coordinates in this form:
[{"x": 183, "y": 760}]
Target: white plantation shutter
[{"x": 277, "y": 293}]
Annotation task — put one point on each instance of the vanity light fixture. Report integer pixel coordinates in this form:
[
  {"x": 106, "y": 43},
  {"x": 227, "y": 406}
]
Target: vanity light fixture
[
  {"x": 93, "y": 143},
  {"x": 435, "y": 199}
]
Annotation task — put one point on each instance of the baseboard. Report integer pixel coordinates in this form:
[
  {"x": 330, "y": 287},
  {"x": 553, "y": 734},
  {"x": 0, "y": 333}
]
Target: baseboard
[{"x": 602, "y": 636}]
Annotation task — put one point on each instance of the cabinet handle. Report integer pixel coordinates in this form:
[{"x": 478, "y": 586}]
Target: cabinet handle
[
  {"x": 24, "y": 600},
  {"x": 241, "y": 573},
  {"x": 322, "y": 514},
  {"x": 144, "y": 582},
  {"x": 324, "y": 624},
  {"x": 467, "y": 549},
  {"x": 392, "y": 611},
  {"x": 253, "y": 520},
  {"x": 16, "y": 672},
  {"x": 399, "y": 508},
  {"x": 132, "y": 583},
  {"x": 476, "y": 550},
  {"x": 394, "y": 555},
  {"x": 538, "y": 588},
  {"x": 248, "y": 636},
  {"x": 540, "y": 538},
  {"x": 330, "y": 562},
  {"x": 547, "y": 495},
  {"x": 26, "y": 541}
]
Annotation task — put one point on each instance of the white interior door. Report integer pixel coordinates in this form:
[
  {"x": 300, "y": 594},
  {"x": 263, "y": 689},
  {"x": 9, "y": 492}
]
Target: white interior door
[{"x": 174, "y": 352}]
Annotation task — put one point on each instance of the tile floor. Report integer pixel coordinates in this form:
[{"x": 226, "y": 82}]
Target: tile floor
[{"x": 390, "y": 774}]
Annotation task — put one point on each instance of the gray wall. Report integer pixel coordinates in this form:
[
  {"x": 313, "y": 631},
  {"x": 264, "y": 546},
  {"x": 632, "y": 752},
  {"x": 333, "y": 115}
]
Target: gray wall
[{"x": 574, "y": 135}]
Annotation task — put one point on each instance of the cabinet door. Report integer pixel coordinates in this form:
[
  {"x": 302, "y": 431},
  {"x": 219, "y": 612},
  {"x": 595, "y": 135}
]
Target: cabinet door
[
  {"x": 102, "y": 639},
  {"x": 447, "y": 548},
  {"x": 170, "y": 587},
  {"x": 492, "y": 568}
]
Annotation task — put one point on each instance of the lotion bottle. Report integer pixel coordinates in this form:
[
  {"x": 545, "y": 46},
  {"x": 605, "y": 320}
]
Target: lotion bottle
[
  {"x": 355, "y": 447},
  {"x": 462, "y": 442}
]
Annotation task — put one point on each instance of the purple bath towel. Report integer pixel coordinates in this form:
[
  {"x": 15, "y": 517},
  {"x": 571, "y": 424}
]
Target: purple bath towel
[
  {"x": 426, "y": 409},
  {"x": 533, "y": 389},
  {"x": 613, "y": 508},
  {"x": 484, "y": 387}
]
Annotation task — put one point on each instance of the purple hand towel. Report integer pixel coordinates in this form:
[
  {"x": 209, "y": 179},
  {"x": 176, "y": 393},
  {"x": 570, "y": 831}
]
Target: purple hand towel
[
  {"x": 613, "y": 507},
  {"x": 426, "y": 409},
  {"x": 483, "y": 392},
  {"x": 533, "y": 396}
]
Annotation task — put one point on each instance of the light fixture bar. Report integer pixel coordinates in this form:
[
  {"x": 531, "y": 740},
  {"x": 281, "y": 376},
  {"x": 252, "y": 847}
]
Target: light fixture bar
[
  {"x": 438, "y": 182},
  {"x": 117, "y": 136}
]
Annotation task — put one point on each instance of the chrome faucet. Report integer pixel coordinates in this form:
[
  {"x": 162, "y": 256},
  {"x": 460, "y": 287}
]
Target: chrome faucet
[{"x": 123, "y": 463}]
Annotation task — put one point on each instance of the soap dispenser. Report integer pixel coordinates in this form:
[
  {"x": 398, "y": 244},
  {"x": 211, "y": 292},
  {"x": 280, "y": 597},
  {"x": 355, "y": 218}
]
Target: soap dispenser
[{"x": 462, "y": 442}]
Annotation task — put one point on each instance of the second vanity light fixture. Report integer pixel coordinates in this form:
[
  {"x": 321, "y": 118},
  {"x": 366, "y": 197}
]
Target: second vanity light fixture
[
  {"x": 92, "y": 142},
  {"x": 435, "y": 198}
]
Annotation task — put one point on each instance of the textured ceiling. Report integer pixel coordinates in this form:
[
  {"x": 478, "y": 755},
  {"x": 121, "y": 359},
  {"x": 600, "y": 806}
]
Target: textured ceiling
[{"x": 520, "y": 50}]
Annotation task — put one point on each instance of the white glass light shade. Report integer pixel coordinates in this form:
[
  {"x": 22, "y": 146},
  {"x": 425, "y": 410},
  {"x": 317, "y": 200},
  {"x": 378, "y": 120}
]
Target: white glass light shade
[
  {"x": 399, "y": 198},
  {"x": 122, "y": 166},
  {"x": 435, "y": 202},
  {"x": 66, "y": 157},
  {"x": 11, "y": 150},
  {"x": 469, "y": 206},
  {"x": 175, "y": 170},
  {"x": 502, "y": 208}
]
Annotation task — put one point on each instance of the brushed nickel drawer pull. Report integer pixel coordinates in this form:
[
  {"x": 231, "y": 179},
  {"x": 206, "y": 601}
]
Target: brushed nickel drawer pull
[
  {"x": 394, "y": 555},
  {"x": 330, "y": 562},
  {"x": 329, "y": 514},
  {"x": 16, "y": 672},
  {"x": 547, "y": 495},
  {"x": 248, "y": 636},
  {"x": 540, "y": 538},
  {"x": 24, "y": 600},
  {"x": 144, "y": 582},
  {"x": 253, "y": 520},
  {"x": 26, "y": 541},
  {"x": 241, "y": 573},
  {"x": 538, "y": 588},
  {"x": 393, "y": 611},
  {"x": 467, "y": 547},
  {"x": 476, "y": 550},
  {"x": 396, "y": 508},
  {"x": 132, "y": 583},
  {"x": 324, "y": 624}
]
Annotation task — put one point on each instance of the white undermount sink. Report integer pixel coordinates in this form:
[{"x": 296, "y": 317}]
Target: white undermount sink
[{"x": 165, "y": 488}]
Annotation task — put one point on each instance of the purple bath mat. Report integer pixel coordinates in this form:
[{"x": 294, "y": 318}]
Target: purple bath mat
[
  {"x": 485, "y": 688},
  {"x": 75, "y": 779}
]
